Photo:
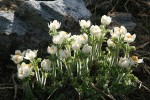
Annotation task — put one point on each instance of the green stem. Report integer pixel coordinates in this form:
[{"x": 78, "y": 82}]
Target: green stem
[{"x": 28, "y": 92}]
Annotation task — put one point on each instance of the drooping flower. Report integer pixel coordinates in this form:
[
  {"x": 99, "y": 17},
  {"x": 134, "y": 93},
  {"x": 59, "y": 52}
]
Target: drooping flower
[
  {"x": 129, "y": 38},
  {"x": 105, "y": 20},
  {"x": 110, "y": 43},
  {"x": 95, "y": 30},
  {"x": 18, "y": 57},
  {"x": 124, "y": 62},
  {"x": 46, "y": 65},
  {"x": 30, "y": 55},
  {"x": 85, "y": 24},
  {"x": 136, "y": 60},
  {"x": 24, "y": 70},
  {"x": 54, "y": 25},
  {"x": 86, "y": 48},
  {"x": 52, "y": 49},
  {"x": 64, "y": 53}
]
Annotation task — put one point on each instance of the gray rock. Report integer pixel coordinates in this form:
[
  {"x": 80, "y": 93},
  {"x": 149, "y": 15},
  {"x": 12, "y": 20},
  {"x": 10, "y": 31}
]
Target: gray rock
[
  {"x": 37, "y": 14},
  {"x": 10, "y": 24},
  {"x": 122, "y": 19},
  {"x": 28, "y": 26}
]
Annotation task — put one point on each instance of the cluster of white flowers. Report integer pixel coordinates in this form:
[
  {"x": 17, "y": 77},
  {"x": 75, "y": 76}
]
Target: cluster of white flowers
[
  {"x": 24, "y": 70},
  {"x": 61, "y": 37},
  {"x": 66, "y": 47}
]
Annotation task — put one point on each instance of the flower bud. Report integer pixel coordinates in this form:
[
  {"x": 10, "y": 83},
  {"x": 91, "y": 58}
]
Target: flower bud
[
  {"x": 124, "y": 62},
  {"x": 46, "y": 65}
]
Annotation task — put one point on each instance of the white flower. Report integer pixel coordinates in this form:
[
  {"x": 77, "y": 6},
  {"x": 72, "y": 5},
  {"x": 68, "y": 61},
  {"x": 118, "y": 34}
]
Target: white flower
[
  {"x": 136, "y": 60},
  {"x": 110, "y": 43},
  {"x": 52, "y": 49},
  {"x": 124, "y": 62},
  {"x": 64, "y": 34},
  {"x": 129, "y": 38},
  {"x": 54, "y": 25},
  {"x": 85, "y": 24},
  {"x": 94, "y": 30},
  {"x": 76, "y": 46},
  {"x": 83, "y": 38},
  {"x": 86, "y": 48},
  {"x": 105, "y": 20},
  {"x": 123, "y": 30},
  {"x": 57, "y": 39},
  {"x": 30, "y": 55},
  {"x": 75, "y": 38},
  {"x": 46, "y": 65},
  {"x": 18, "y": 57},
  {"x": 64, "y": 53},
  {"x": 118, "y": 32},
  {"x": 24, "y": 70}
]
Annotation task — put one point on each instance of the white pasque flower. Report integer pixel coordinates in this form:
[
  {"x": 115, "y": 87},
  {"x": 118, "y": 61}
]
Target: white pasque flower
[
  {"x": 76, "y": 46},
  {"x": 64, "y": 53},
  {"x": 110, "y": 43},
  {"x": 85, "y": 24},
  {"x": 118, "y": 31},
  {"x": 105, "y": 20},
  {"x": 136, "y": 60},
  {"x": 83, "y": 38},
  {"x": 86, "y": 48},
  {"x": 124, "y": 62},
  {"x": 129, "y": 38},
  {"x": 95, "y": 30},
  {"x": 24, "y": 70},
  {"x": 46, "y": 65},
  {"x": 18, "y": 57},
  {"x": 54, "y": 25},
  {"x": 30, "y": 55},
  {"x": 75, "y": 38},
  {"x": 52, "y": 49},
  {"x": 57, "y": 39},
  {"x": 64, "y": 34}
]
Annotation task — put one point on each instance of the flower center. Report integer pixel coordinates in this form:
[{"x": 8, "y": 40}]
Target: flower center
[
  {"x": 51, "y": 49},
  {"x": 21, "y": 72},
  {"x": 129, "y": 36},
  {"x": 27, "y": 65},
  {"x": 134, "y": 58},
  {"x": 84, "y": 37}
]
